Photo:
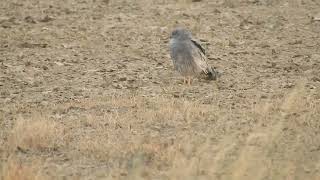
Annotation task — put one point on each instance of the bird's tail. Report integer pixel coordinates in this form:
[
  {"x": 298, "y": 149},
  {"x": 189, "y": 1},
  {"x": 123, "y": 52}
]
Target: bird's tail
[{"x": 212, "y": 73}]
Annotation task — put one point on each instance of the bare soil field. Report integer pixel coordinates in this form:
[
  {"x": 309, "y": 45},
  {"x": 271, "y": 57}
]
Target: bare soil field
[{"x": 88, "y": 90}]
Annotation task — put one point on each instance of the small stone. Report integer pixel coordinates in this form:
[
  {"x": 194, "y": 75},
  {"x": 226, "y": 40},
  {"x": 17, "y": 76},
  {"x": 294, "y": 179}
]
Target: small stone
[
  {"x": 30, "y": 20},
  {"x": 110, "y": 70},
  {"x": 263, "y": 96},
  {"x": 117, "y": 86},
  {"x": 106, "y": 1},
  {"x": 232, "y": 44},
  {"x": 28, "y": 63},
  {"x": 58, "y": 63},
  {"x": 315, "y": 79},
  {"x": 46, "y": 19},
  {"x": 288, "y": 85},
  {"x": 122, "y": 78},
  {"x": 316, "y": 17},
  {"x": 176, "y": 95}
]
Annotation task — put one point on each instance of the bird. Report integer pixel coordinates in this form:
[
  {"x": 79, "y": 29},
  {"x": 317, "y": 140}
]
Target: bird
[{"x": 189, "y": 57}]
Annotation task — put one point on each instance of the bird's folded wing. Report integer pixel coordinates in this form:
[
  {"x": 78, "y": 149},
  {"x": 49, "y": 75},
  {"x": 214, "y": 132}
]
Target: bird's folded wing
[
  {"x": 198, "y": 46},
  {"x": 200, "y": 59}
]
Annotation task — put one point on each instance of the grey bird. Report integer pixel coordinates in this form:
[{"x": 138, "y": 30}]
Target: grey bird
[{"x": 188, "y": 56}]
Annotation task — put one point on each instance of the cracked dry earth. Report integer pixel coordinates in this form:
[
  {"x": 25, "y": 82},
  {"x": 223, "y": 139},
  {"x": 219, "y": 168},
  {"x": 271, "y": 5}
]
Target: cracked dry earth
[{"x": 88, "y": 91}]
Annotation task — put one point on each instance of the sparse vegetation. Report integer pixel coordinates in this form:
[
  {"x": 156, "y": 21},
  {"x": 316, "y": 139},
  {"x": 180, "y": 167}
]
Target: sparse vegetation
[
  {"x": 36, "y": 134},
  {"x": 14, "y": 169}
]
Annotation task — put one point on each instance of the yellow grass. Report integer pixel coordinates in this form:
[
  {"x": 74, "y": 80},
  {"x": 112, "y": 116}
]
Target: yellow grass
[
  {"x": 15, "y": 169},
  {"x": 36, "y": 133}
]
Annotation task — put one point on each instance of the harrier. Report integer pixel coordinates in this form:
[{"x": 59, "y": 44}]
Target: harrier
[{"x": 189, "y": 57}]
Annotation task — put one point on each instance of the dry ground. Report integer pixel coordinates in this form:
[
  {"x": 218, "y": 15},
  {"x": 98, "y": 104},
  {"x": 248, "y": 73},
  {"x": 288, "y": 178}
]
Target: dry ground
[{"x": 87, "y": 90}]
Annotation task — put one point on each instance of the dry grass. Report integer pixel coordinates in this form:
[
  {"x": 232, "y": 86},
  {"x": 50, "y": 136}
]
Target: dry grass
[
  {"x": 15, "y": 169},
  {"x": 36, "y": 133},
  {"x": 141, "y": 136}
]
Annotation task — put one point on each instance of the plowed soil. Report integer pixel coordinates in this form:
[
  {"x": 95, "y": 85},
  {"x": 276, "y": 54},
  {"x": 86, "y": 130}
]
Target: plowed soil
[{"x": 88, "y": 90}]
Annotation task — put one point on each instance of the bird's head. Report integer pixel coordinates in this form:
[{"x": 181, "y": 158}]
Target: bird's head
[{"x": 180, "y": 34}]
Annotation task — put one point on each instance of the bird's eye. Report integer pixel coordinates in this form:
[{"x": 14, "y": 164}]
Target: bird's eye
[{"x": 172, "y": 34}]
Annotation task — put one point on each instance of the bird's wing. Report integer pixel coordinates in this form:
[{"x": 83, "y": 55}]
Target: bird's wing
[
  {"x": 198, "y": 46},
  {"x": 199, "y": 57}
]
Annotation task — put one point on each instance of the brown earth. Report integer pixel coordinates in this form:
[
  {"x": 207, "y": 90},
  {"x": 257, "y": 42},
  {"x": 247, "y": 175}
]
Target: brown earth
[{"x": 87, "y": 90}]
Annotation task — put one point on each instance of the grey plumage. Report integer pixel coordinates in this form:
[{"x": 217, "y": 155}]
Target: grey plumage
[{"x": 188, "y": 56}]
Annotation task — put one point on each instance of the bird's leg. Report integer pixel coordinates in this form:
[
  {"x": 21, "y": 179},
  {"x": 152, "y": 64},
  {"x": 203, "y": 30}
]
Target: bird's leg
[
  {"x": 189, "y": 80},
  {"x": 184, "y": 80}
]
